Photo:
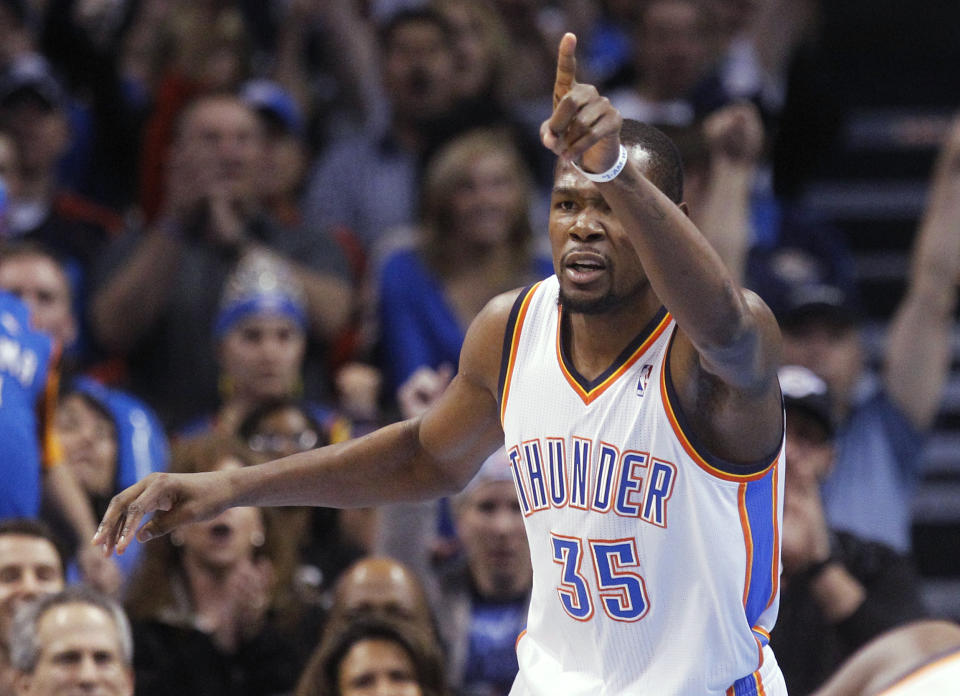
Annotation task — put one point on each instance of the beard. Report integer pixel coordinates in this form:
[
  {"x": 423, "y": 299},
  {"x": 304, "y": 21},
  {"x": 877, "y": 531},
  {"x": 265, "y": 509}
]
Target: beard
[{"x": 596, "y": 305}]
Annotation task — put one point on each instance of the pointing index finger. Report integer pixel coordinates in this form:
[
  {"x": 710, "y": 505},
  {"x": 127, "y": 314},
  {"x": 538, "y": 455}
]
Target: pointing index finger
[{"x": 566, "y": 67}]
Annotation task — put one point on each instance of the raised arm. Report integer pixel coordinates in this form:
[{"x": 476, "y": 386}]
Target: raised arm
[
  {"x": 733, "y": 332},
  {"x": 918, "y": 351},
  {"x": 416, "y": 459}
]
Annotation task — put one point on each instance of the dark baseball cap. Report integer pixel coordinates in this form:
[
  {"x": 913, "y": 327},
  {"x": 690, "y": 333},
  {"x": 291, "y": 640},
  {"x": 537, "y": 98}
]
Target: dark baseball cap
[
  {"x": 798, "y": 286},
  {"x": 31, "y": 75},
  {"x": 804, "y": 391}
]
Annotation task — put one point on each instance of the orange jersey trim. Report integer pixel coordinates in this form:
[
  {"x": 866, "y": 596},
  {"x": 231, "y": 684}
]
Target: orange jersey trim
[
  {"x": 590, "y": 395},
  {"x": 689, "y": 447},
  {"x": 747, "y": 538},
  {"x": 513, "y": 335}
]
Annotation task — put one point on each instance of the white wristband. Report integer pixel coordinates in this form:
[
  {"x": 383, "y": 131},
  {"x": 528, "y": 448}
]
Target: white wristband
[{"x": 611, "y": 173}]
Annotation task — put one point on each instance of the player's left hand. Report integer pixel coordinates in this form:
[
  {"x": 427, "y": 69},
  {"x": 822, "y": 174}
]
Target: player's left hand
[{"x": 584, "y": 126}]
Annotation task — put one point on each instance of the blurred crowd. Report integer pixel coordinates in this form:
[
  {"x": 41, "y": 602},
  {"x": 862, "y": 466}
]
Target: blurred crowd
[{"x": 234, "y": 231}]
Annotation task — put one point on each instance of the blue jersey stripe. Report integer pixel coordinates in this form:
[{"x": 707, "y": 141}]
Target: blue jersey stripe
[{"x": 759, "y": 501}]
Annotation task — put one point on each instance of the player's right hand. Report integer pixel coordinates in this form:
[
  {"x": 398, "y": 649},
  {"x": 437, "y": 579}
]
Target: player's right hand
[{"x": 172, "y": 499}]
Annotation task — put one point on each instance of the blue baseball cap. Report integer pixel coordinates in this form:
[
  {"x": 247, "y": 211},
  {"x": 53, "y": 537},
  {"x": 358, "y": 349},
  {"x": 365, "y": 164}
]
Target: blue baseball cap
[{"x": 274, "y": 102}]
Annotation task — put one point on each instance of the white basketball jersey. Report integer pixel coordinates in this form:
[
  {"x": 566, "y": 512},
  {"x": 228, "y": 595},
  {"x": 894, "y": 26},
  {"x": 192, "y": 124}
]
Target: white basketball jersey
[{"x": 656, "y": 566}]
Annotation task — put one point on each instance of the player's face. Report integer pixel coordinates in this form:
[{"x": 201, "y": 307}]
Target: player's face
[
  {"x": 594, "y": 260},
  {"x": 40, "y": 283},
  {"x": 29, "y": 568},
  {"x": 80, "y": 653},
  {"x": 89, "y": 441},
  {"x": 486, "y": 204},
  {"x": 490, "y": 526},
  {"x": 262, "y": 356},
  {"x": 377, "y": 667}
]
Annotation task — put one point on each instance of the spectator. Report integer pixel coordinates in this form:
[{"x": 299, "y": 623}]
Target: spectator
[
  {"x": 720, "y": 165},
  {"x": 162, "y": 288},
  {"x": 381, "y": 586},
  {"x": 325, "y": 540},
  {"x": 74, "y": 641},
  {"x": 110, "y": 440},
  {"x": 37, "y": 277},
  {"x": 839, "y": 591},
  {"x": 483, "y": 595},
  {"x": 375, "y": 655},
  {"x": 84, "y": 43},
  {"x": 31, "y": 565},
  {"x": 368, "y": 182},
  {"x": 673, "y": 49},
  {"x": 882, "y": 419},
  {"x": 484, "y": 73},
  {"x": 757, "y": 40},
  {"x": 30, "y": 455},
  {"x": 205, "y": 50},
  {"x": 34, "y": 108},
  {"x": 208, "y": 604},
  {"x": 475, "y": 241}
]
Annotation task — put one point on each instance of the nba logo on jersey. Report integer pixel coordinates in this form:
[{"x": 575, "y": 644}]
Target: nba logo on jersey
[{"x": 644, "y": 379}]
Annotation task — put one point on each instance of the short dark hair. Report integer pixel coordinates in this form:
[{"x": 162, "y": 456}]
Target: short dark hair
[
  {"x": 321, "y": 676},
  {"x": 253, "y": 420},
  {"x": 38, "y": 529},
  {"x": 666, "y": 164}
]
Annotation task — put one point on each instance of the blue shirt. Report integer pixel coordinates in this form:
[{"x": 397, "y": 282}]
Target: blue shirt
[
  {"x": 418, "y": 325},
  {"x": 491, "y": 663},
  {"x": 876, "y": 471},
  {"x": 25, "y": 358}
]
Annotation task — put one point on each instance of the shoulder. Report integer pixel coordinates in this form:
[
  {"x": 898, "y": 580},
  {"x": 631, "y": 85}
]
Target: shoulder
[{"x": 483, "y": 346}]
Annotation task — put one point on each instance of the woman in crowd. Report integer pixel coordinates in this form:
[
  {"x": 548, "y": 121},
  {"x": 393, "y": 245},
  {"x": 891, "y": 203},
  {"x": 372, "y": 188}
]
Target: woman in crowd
[
  {"x": 210, "y": 606},
  {"x": 375, "y": 654},
  {"x": 474, "y": 242}
]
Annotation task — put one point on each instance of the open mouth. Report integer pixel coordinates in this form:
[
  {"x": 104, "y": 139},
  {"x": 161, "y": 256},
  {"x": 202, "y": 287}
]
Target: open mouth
[
  {"x": 221, "y": 531},
  {"x": 584, "y": 267}
]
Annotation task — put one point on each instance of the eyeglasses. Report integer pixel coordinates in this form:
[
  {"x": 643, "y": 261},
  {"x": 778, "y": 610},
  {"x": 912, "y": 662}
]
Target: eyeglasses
[{"x": 282, "y": 442}]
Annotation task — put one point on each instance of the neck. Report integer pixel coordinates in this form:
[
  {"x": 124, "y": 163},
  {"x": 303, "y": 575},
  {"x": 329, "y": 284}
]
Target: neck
[{"x": 594, "y": 341}]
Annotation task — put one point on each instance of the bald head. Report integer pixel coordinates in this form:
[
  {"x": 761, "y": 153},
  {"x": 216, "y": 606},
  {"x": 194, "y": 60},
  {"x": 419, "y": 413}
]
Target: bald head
[{"x": 383, "y": 585}]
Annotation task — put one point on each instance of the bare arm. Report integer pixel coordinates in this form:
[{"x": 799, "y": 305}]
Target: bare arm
[
  {"x": 127, "y": 306},
  {"x": 352, "y": 47},
  {"x": 733, "y": 332},
  {"x": 734, "y": 136},
  {"x": 918, "y": 349},
  {"x": 725, "y": 358},
  {"x": 415, "y": 459}
]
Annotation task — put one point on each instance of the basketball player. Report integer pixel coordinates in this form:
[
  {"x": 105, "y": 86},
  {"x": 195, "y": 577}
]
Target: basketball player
[{"x": 637, "y": 396}]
